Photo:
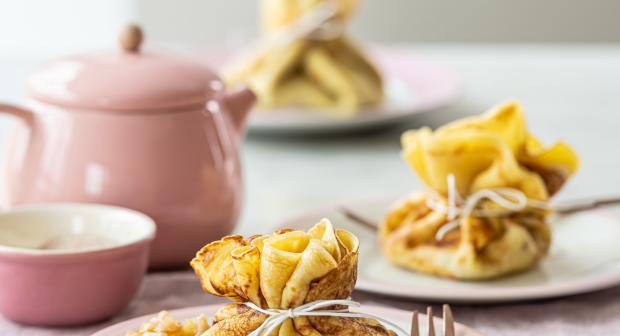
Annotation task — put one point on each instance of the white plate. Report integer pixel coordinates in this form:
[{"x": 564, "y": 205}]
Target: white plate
[
  {"x": 584, "y": 257},
  {"x": 400, "y": 317},
  {"x": 414, "y": 85}
]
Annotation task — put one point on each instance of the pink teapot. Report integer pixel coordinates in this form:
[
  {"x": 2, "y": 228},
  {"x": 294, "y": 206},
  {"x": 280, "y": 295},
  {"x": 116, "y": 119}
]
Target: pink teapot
[{"x": 143, "y": 130}]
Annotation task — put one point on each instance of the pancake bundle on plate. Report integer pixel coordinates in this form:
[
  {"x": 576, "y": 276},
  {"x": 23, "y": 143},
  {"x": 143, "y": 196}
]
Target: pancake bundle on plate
[
  {"x": 304, "y": 59},
  {"x": 485, "y": 213},
  {"x": 284, "y": 270}
]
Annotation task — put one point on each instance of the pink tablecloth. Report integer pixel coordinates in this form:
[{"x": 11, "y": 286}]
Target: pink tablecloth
[{"x": 591, "y": 314}]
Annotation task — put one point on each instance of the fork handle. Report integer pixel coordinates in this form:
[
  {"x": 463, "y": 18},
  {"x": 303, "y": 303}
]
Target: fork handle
[{"x": 581, "y": 205}]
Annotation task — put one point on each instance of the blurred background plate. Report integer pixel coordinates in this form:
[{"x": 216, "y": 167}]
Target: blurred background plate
[
  {"x": 584, "y": 257},
  {"x": 414, "y": 84},
  {"x": 400, "y": 317}
]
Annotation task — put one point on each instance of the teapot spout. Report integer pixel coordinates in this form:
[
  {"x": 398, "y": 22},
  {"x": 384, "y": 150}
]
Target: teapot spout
[{"x": 238, "y": 102}]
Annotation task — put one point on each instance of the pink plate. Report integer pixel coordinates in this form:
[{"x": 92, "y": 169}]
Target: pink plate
[
  {"x": 400, "y": 317},
  {"x": 581, "y": 260},
  {"x": 414, "y": 85}
]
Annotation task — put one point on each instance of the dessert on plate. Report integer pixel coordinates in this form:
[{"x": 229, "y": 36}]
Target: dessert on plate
[
  {"x": 164, "y": 325},
  {"x": 278, "y": 272},
  {"x": 305, "y": 59},
  {"x": 485, "y": 211}
]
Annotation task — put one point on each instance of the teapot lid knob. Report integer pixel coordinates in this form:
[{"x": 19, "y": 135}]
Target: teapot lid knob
[{"x": 131, "y": 38}]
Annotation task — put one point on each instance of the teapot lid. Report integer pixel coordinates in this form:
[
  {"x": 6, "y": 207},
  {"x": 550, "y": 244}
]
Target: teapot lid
[{"x": 128, "y": 79}]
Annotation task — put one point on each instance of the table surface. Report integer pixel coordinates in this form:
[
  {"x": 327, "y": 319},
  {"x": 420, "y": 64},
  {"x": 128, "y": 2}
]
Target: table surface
[{"x": 568, "y": 91}]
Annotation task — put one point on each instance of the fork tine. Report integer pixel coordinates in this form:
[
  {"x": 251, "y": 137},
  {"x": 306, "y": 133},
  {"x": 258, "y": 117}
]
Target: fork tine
[
  {"x": 448, "y": 321},
  {"x": 415, "y": 329},
  {"x": 431, "y": 323}
]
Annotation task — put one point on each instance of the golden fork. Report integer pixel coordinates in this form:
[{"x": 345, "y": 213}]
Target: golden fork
[{"x": 448, "y": 322}]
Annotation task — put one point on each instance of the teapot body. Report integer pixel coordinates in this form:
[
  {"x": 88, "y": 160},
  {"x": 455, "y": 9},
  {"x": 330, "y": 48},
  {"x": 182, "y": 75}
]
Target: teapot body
[{"x": 180, "y": 167}]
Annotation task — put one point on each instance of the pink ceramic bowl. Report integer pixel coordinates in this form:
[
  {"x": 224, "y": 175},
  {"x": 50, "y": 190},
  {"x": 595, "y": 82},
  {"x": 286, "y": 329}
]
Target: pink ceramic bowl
[{"x": 71, "y": 264}]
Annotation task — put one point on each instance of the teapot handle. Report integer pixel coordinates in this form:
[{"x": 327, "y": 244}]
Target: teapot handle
[{"x": 20, "y": 113}]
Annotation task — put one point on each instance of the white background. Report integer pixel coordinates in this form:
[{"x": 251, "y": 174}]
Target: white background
[{"x": 58, "y": 26}]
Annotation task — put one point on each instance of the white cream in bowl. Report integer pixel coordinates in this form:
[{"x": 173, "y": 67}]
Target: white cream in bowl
[{"x": 62, "y": 228}]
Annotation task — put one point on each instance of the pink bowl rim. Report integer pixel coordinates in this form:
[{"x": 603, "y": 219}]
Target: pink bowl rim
[{"x": 146, "y": 236}]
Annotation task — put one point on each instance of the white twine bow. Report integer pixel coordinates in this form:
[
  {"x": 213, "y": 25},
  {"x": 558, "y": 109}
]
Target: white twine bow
[
  {"x": 511, "y": 200},
  {"x": 278, "y": 316},
  {"x": 320, "y": 23}
]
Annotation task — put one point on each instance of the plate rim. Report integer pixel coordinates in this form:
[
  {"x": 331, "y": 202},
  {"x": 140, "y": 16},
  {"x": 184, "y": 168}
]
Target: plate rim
[
  {"x": 395, "y": 313},
  {"x": 581, "y": 285}
]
